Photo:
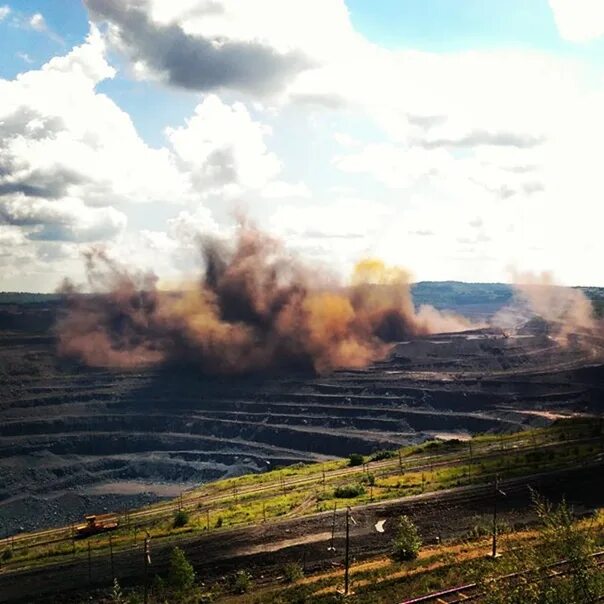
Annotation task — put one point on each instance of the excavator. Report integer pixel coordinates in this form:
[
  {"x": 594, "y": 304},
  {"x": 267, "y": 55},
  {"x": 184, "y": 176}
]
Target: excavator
[{"x": 95, "y": 525}]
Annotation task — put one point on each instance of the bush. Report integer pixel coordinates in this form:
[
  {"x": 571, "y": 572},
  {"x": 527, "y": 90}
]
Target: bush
[
  {"x": 181, "y": 575},
  {"x": 7, "y": 554},
  {"x": 117, "y": 597},
  {"x": 559, "y": 538},
  {"x": 292, "y": 572},
  {"x": 369, "y": 479},
  {"x": 181, "y": 518},
  {"x": 158, "y": 587},
  {"x": 355, "y": 459},
  {"x": 242, "y": 582},
  {"x": 347, "y": 491},
  {"x": 219, "y": 522},
  {"x": 379, "y": 455},
  {"x": 407, "y": 542}
]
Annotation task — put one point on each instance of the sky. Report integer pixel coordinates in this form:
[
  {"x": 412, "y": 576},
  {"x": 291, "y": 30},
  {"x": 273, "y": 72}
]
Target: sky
[{"x": 461, "y": 140}]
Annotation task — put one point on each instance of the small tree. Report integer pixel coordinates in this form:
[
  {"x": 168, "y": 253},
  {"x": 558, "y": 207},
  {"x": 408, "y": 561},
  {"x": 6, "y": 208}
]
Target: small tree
[
  {"x": 560, "y": 538},
  {"x": 117, "y": 597},
  {"x": 181, "y": 518},
  {"x": 242, "y": 582},
  {"x": 292, "y": 572},
  {"x": 181, "y": 575},
  {"x": 355, "y": 459},
  {"x": 407, "y": 542}
]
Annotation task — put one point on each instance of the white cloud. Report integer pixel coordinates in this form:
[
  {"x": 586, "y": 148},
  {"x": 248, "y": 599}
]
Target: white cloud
[
  {"x": 4, "y": 11},
  {"x": 222, "y": 147},
  {"x": 66, "y": 220},
  {"x": 63, "y": 139},
  {"x": 579, "y": 20},
  {"x": 279, "y": 189},
  {"x": 335, "y": 233},
  {"x": 25, "y": 57},
  {"x": 37, "y": 22},
  {"x": 395, "y": 166}
]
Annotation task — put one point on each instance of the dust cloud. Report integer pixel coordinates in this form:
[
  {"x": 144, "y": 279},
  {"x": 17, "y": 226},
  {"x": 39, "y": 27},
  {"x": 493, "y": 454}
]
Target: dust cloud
[
  {"x": 566, "y": 310},
  {"x": 254, "y": 308}
]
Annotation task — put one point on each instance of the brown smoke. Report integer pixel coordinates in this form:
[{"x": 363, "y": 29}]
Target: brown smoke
[{"x": 254, "y": 308}]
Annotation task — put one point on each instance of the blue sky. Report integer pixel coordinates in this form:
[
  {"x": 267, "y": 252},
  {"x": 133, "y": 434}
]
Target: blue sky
[{"x": 454, "y": 138}]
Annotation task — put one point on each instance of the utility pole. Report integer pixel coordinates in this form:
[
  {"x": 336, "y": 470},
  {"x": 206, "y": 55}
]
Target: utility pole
[
  {"x": 496, "y": 493},
  {"x": 331, "y": 547},
  {"x": 89, "y": 566},
  {"x": 346, "y": 554},
  {"x": 111, "y": 556},
  {"x": 208, "y": 519},
  {"x": 349, "y": 519},
  {"x": 147, "y": 562}
]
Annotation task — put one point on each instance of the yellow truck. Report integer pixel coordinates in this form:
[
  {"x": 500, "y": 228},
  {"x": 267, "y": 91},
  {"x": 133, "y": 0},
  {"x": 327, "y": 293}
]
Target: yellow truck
[{"x": 96, "y": 524}]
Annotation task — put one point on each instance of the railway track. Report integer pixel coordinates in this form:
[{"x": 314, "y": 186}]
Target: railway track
[{"x": 472, "y": 592}]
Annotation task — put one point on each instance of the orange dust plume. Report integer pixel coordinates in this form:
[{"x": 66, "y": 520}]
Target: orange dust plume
[{"x": 255, "y": 308}]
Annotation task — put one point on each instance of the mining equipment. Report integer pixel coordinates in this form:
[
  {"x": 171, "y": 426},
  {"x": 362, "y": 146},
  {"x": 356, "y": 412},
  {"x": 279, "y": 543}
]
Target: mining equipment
[{"x": 95, "y": 525}]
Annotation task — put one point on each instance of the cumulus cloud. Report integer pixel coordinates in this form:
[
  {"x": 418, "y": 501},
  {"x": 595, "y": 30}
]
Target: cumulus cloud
[
  {"x": 579, "y": 20},
  {"x": 65, "y": 148},
  {"x": 4, "y": 11},
  {"x": 221, "y": 146},
  {"x": 168, "y": 45},
  {"x": 67, "y": 220}
]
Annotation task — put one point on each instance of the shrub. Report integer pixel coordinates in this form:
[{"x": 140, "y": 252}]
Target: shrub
[
  {"x": 355, "y": 459},
  {"x": 242, "y": 582},
  {"x": 219, "y": 522},
  {"x": 407, "y": 542},
  {"x": 346, "y": 491},
  {"x": 292, "y": 572},
  {"x": 181, "y": 518},
  {"x": 559, "y": 538},
  {"x": 379, "y": 455},
  {"x": 181, "y": 575},
  {"x": 117, "y": 597},
  {"x": 7, "y": 554},
  {"x": 158, "y": 587},
  {"x": 369, "y": 479}
]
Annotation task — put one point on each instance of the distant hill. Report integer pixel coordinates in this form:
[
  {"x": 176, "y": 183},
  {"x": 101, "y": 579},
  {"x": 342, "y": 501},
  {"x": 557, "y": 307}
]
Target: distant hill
[
  {"x": 441, "y": 294},
  {"x": 447, "y": 294},
  {"x": 27, "y": 298}
]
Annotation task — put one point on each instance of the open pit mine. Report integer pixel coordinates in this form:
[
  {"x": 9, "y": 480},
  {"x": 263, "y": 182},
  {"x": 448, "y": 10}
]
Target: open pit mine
[{"x": 77, "y": 439}]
